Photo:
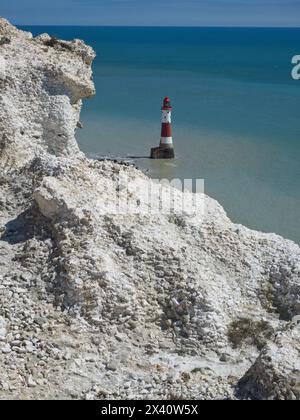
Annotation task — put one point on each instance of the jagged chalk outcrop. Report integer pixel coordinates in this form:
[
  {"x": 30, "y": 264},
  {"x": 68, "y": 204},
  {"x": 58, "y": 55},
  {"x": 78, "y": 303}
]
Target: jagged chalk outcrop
[
  {"x": 103, "y": 296},
  {"x": 42, "y": 82}
]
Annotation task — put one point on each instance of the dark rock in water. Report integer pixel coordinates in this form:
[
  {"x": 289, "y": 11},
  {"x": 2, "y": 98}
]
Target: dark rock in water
[
  {"x": 117, "y": 161},
  {"x": 162, "y": 153}
]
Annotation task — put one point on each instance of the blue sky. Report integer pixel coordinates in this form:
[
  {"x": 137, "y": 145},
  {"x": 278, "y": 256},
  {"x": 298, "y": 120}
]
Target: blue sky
[{"x": 153, "y": 12}]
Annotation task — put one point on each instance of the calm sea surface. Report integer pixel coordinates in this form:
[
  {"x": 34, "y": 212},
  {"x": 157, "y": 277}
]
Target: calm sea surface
[{"x": 235, "y": 112}]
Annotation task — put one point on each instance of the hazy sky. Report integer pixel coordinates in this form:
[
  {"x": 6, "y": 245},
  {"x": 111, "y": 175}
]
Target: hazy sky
[{"x": 153, "y": 12}]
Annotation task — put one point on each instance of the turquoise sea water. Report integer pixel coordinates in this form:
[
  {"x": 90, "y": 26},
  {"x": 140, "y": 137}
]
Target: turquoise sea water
[{"x": 235, "y": 111}]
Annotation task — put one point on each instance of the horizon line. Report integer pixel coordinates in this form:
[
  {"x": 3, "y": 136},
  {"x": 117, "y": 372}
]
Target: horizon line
[{"x": 159, "y": 26}]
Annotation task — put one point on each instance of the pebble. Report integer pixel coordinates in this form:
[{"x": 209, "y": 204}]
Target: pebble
[
  {"x": 6, "y": 349},
  {"x": 30, "y": 382},
  {"x": 113, "y": 366}
]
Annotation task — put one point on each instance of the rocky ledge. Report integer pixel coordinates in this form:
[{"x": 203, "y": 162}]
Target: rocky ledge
[{"x": 136, "y": 304}]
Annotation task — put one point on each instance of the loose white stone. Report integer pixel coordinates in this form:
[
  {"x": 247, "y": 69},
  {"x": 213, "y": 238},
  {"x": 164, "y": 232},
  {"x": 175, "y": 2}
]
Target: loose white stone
[{"x": 30, "y": 382}]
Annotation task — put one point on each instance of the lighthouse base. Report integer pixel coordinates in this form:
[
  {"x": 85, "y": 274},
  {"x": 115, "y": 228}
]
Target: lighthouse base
[{"x": 162, "y": 153}]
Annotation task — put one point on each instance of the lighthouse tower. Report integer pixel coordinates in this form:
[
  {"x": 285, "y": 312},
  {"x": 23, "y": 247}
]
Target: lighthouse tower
[{"x": 166, "y": 148}]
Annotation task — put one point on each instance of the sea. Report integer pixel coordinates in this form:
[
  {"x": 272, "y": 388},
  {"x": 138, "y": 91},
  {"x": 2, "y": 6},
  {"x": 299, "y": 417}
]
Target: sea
[{"x": 236, "y": 112}]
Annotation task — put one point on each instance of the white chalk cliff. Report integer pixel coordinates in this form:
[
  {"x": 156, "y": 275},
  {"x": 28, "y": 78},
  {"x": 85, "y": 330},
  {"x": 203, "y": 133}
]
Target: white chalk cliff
[{"x": 100, "y": 305}]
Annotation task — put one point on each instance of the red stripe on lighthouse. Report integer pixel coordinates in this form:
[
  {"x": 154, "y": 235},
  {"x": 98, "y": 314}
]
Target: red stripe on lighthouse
[{"x": 166, "y": 130}]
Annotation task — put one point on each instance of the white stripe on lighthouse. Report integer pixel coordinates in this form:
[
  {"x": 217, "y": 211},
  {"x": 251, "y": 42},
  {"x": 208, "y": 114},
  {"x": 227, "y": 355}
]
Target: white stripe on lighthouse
[
  {"x": 166, "y": 116},
  {"x": 166, "y": 140}
]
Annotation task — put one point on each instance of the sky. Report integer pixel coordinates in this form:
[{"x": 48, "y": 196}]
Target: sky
[{"x": 153, "y": 12}]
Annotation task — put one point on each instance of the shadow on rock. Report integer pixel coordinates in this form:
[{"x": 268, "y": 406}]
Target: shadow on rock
[{"x": 22, "y": 228}]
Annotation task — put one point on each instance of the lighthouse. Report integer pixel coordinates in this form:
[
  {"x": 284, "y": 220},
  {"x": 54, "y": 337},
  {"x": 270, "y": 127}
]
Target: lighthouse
[{"x": 166, "y": 148}]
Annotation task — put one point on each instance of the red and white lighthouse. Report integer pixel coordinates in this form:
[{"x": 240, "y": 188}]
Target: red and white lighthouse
[
  {"x": 166, "y": 148},
  {"x": 166, "y": 126}
]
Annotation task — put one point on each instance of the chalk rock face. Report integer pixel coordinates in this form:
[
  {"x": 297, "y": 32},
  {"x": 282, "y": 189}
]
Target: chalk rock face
[
  {"x": 125, "y": 298},
  {"x": 42, "y": 83},
  {"x": 276, "y": 373}
]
